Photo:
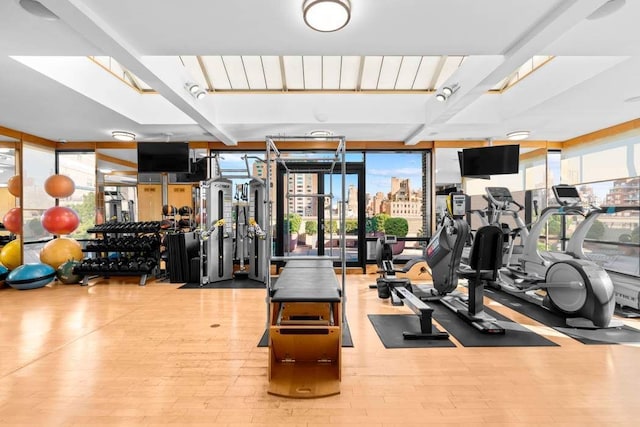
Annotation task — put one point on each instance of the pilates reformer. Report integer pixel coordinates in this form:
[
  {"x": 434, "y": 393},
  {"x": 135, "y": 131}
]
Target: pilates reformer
[{"x": 306, "y": 304}]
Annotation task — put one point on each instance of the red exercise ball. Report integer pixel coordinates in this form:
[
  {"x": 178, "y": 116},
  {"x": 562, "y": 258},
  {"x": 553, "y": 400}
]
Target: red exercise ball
[
  {"x": 13, "y": 184},
  {"x": 13, "y": 220},
  {"x": 59, "y": 186},
  {"x": 60, "y": 220}
]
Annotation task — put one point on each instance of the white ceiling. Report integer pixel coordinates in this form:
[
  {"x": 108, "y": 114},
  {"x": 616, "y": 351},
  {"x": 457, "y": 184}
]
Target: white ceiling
[{"x": 583, "y": 89}]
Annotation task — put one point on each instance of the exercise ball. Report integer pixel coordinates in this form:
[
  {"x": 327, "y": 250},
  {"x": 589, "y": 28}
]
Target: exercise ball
[
  {"x": 60, "y": 220},
  {"x": 65, "y": 273},
  {"x": 14, "y": 184},
  {"x": 10, "y": 254},
  {"x": 59, "y": 186},
  {"x": 4, "y": 271},
  {"x": 13, "y": 220},
  {"x": 60, "y": 250},
  {"x": 31, "y": 276},
  {"x": 168, "y": 210}
]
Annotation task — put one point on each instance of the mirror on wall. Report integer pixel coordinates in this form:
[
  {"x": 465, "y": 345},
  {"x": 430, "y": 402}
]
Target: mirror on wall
[
  {"x": 124, "y": 195},
  {"x": 38, "y": 164},
  {"x": 116, "y": 185},
  {"x": 10, "y": 211},
  {"x": 81, "y": 168}
]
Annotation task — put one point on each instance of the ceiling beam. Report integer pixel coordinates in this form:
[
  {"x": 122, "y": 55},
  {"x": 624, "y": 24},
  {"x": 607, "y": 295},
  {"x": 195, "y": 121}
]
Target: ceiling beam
[
  {"x": 551, "y": 26},
  {"x": 168, "y": 80}
]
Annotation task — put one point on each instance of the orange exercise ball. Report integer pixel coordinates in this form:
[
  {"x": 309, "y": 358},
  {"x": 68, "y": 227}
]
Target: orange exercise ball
[
  {"x": 60, "y": 220},
  {"x": 59, "y": 251},
  {"x": 10, "y": 255},
  {"x": 13, "y": 220},
  {"x": 14, "y": 184},
  {"x": 59, "y": 186}
]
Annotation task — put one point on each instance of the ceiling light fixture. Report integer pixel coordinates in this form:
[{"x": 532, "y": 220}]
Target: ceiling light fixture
[
  {"x": 447, "y": 91},
  {"x": 606, "y": 9},
  {"x": 320, "y": 132},
  {"x": 121, "y": 135},
  {"x": 518, "y": 135},
  {"x": 195, "y": 90},
  {"x": 326, "y": 15}
]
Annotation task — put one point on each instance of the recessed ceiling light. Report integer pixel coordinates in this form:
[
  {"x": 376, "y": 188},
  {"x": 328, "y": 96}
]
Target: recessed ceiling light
[
  {"x": 38, "y": 9},
  {"x": 121, "y": 135},
  {"x": 518, "y": 135},
  {"x": 192, "y": 88},
  {"x": 440, "y": 97},
  {"x": 320, "y": 132},
  {"x": 326, "y": 15},
  {"x": 105, "y": 170},
  {"x": 633, "y": 99}
]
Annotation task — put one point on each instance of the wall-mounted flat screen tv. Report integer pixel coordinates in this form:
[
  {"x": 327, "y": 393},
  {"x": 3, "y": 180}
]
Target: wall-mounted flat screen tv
[
  {"x": 486, "y": 161},
  {"x": 197, "y": 173},
  {"x": 163, "y": 157}
]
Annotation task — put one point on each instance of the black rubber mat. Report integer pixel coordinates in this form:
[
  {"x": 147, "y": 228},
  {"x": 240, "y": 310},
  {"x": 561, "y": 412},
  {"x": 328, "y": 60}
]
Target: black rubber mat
[
  {"x": 390, "y": 327},
  {"x": 226, "y": 284},
  {"x": 515, "y": 334},
  {"x": 346, "y": 337},
  {"x": 626, "y": 312},
  {"x": 621, "y": 335}
]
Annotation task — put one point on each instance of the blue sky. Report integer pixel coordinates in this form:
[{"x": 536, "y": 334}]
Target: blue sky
[{"x": 381, "y": 167}]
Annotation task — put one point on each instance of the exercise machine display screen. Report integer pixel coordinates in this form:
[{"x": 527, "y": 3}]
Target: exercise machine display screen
[
  {"x": 566, "y": 194},
  {"x": 458, "y": 205},
  {"x": 499, "y": 194}
]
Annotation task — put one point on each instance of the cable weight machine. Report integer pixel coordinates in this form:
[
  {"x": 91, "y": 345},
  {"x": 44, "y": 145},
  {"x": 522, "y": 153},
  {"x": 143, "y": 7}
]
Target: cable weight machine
[{"x": 219, "y": 226}]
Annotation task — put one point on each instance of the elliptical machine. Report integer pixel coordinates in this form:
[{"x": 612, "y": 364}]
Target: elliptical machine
[
  {"x": 578, "y": 289},
  {"x": 443, "y": 254}
]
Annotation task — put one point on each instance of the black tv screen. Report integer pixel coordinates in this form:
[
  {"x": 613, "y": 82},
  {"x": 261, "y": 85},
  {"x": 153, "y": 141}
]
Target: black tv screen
[
  {"x": 163, "y": 157},
  {"x": 198, "y": 172},
  {"x": 498, "y": 160}
]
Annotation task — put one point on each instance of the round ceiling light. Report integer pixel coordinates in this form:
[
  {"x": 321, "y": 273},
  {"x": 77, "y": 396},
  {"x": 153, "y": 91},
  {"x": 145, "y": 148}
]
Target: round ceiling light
[
  {"x": 518, "y": 135},
  {"x": 326, "y": 15},
  {"x": 320, "y": 132},
  {"x": 121, "y": 135}
]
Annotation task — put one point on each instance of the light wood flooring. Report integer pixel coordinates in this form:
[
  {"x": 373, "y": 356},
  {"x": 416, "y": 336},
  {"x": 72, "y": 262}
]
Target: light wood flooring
[{"x": 121, "y": 354}]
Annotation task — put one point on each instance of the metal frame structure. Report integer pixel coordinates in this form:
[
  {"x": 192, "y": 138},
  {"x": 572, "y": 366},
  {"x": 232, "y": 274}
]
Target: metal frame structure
[{"x": 274, "y": 156}]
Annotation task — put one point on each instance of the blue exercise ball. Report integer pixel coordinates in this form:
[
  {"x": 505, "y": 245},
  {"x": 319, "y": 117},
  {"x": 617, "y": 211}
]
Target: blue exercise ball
[
  {"x": 4, "y": 271},
  {"x": 31, "y": 276}
]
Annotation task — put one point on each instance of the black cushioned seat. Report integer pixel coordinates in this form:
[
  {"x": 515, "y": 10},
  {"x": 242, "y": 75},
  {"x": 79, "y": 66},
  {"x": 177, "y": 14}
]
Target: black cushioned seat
[{"x": 301, "y": 281}]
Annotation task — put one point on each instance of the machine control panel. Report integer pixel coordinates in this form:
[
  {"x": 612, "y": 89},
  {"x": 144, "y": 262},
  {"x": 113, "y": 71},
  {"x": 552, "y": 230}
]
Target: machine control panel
[
  {"x": 389, "y": 239},
  {"x": 458, "y": 205},
  {"x": 499, "y": 196},
  {"x": 567, "y": 195}
]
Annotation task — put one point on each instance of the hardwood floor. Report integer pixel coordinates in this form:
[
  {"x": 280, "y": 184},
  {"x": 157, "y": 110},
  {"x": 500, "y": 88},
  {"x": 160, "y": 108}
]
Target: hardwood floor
[{"x": 121, "y": 354}]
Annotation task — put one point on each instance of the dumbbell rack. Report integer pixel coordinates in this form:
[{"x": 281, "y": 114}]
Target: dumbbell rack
[{"x": 137, "y": 245}]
